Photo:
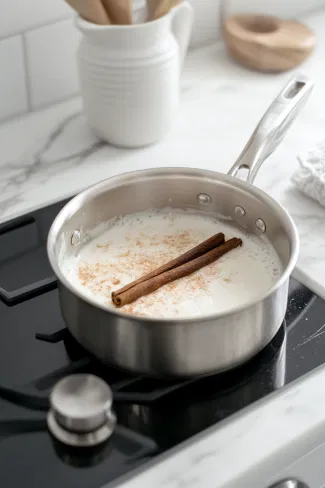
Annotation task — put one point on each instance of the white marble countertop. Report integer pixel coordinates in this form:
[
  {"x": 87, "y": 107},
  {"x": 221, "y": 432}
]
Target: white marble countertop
[
  {"x": 252, "y": 449},
  {"x": 50, "y": 155}
]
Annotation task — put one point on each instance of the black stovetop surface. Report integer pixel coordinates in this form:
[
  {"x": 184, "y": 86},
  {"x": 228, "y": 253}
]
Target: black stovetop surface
[{"x": 153, "y": 415}]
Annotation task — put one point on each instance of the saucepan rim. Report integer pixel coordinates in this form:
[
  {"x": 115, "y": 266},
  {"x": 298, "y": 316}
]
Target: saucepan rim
[{"x": 87, "y": 195}]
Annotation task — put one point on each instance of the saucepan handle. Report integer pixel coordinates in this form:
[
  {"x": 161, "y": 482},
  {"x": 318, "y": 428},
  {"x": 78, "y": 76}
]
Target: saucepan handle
[{"x": 273, "y": 126}]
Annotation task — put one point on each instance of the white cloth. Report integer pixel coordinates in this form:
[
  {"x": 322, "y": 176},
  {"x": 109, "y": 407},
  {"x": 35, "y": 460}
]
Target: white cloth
[{"x": 310, "y": 176}]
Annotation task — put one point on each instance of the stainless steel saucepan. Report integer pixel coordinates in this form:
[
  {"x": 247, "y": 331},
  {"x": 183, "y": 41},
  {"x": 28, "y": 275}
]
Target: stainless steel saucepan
[{"x": 184, "y": 347}]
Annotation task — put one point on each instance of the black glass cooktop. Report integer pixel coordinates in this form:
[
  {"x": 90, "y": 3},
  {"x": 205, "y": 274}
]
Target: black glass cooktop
[{"x": 36, "y": 350}]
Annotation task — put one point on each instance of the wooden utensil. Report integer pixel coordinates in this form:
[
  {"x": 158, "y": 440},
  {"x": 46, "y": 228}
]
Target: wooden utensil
[
  {"x": 163, "y": 7},
  {"x": 91, "y": 10},
  {"x": 151, "y": 7},
  {"x": 267, "y": 44},
  {"x": 120, "y": 11}
]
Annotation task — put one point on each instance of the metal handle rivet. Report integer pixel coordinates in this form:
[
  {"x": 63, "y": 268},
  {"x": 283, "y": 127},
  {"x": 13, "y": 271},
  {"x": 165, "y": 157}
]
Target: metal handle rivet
[
  {"x": 204, "y": 199},
  {"x": 260, "y": 225},
  {"x": 75, "y": 238},
  {"x": 240, "y": 211}
]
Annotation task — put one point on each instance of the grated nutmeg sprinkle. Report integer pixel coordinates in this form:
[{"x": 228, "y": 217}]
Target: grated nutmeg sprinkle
[{"x": 142, "y": 255}]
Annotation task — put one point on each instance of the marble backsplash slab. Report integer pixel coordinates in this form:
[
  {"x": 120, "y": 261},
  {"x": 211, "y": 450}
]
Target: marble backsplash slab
[{"x": 38, "y": 45}]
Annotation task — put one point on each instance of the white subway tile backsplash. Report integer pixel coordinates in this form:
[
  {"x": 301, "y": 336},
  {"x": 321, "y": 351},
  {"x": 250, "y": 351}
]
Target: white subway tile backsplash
[
  {"x": 21, "y": 15},
  {"x": 43, "y": 55},
  {"x": 51, "y": 57},
  {"x": 206, "y": 21},
  {"x": 12, "y": 79}
]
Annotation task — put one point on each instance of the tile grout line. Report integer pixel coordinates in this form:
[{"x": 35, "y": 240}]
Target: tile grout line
[
  {"x": 41, "y": 108},
  {"x": 304, "y": 12},
  {"x": 27, "y": 74},
  {"x": 35, "y": 27},
  {"x": 14, "y": 116},
  {"x": 45, "y": 105},
  {"x": 25, "y": 110}
]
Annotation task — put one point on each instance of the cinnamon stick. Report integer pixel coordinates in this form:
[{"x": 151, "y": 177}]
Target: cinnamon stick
[
  {"x": 193, "y": 253},
  {"x": 143, "y": 288}
]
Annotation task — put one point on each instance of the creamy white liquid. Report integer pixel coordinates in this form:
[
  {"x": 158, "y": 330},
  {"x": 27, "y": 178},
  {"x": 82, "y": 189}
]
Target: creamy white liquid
[{"x": 133, "y": 245}]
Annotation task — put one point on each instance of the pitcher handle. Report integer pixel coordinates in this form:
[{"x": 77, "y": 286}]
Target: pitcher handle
[
  {"x": 273, "y": 126},
  {"x": 181, "y": 23}
]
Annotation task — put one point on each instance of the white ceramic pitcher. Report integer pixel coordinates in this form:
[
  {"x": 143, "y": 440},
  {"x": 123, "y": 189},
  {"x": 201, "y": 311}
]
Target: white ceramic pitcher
[{"x": 130, "y": 76}]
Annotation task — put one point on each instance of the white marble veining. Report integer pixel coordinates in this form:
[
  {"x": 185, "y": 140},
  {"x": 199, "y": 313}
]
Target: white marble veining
[{"x": 52, "y": 154}]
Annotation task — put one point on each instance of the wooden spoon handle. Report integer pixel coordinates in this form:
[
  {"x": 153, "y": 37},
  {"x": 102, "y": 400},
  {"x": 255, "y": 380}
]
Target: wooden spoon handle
[
  {"x": 120, "y": 11},
  {"x": 163, "y": 7},
  {"x": 151, "y": 7},
  {"x": 91, "y": 10}
]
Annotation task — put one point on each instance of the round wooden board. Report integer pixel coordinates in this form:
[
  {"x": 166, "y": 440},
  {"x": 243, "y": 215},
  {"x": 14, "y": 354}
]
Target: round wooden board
[{"x": 267, "y": 44}]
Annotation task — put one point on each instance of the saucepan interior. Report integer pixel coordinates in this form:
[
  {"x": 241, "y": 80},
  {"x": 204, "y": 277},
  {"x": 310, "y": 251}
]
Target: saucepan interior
[{"x": 209, "y": 192}]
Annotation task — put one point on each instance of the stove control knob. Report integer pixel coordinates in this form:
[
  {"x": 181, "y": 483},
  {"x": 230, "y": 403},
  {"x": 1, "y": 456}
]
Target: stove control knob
[
  {"x": 81, "y": 410},
  {"x": 81, "y": 402},
  {"x": 289, "y": 483}
]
